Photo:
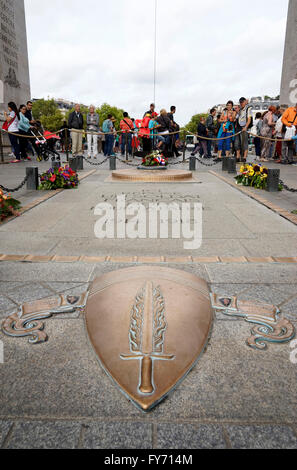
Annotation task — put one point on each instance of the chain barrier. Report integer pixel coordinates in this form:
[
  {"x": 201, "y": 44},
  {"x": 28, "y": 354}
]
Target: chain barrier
[
  {"x": 180, "y": 162},
  {"x": 214, "y": 163},
  {"x": 8, "y": 190},
  {"x": 94, "y": 163},
  {"x": 127, "y": 163},
  {"x": 287, "y": 188}
]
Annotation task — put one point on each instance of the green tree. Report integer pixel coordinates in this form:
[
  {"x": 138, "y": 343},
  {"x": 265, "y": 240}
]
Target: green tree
[
  {"x": 105, "y": 109},
  {"x": 193, "y": 124},
  {"x": 48, "y": 113}
]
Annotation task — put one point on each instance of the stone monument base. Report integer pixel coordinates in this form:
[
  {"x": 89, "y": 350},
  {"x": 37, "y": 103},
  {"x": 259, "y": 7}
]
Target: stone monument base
[{"x": 152, "y": 176}]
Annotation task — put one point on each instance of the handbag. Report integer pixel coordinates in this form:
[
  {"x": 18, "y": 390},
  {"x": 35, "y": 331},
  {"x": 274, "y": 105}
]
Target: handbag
[
  {"x": 290, "y": 132},
  {"x": 7, "y": 124},
  {"x": 284, "y": 129}
]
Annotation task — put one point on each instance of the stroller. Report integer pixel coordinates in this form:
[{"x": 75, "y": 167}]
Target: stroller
[{"x": 44, "y": 145}]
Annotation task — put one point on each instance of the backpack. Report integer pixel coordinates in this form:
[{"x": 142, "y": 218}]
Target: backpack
[
  {"x": 105, "y": 126},
  {"x": 252, "y": 119}
]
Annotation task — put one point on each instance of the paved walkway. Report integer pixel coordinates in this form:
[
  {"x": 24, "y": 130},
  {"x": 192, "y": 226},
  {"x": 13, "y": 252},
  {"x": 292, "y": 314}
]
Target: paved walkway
[{"x": 56, "y": 395}]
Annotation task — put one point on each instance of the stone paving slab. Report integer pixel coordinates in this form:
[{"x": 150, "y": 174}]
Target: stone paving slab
[
  {"x": 43, "y": 435},
  {"x": 117, "y": 435},
  {"x": 262, "y": 437},
  {"x": 190, "y": 436},
  {"x": 5, "y": 426}
]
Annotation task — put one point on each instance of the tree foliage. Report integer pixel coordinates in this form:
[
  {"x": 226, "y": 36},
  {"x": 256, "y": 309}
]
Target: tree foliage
[
  {"x": 193, "y": 124},
  {"x": 51, "y": 117},
  {"x": 48, "y": 113}
]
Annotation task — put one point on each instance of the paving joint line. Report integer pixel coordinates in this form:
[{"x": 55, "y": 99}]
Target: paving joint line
[{"x": 187, "y": 260}]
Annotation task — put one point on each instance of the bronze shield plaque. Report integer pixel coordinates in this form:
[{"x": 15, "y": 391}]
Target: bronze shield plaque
[{"x": 148, "y": 326}]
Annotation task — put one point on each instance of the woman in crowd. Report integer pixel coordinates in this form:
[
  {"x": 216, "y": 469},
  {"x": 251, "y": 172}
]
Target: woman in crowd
[
  {"x": 202, "y": 143},
  {"x": 227, "y": 120},
  {"x": 164, "y": 125},
  {"x": 12, "y": 118},
  {"x": 92, "y": 129},
  {"x": 267, "y": 131},
  {"x": 24, "y": 128},
  {"x": 256, "y": 131}
]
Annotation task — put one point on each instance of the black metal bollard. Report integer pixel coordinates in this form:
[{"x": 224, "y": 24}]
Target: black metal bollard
[
  {"x": 273, "y": 181},
  {"x": 79, "y": 162},
  {"x": 73, "y": 164},
  {"x": 192, "y": 165},
  {"x": 32, "y": 181},
  {"x": 112, "y": 163},
  {"x": 232, "y": 165},
  {"x": 225, "y": 163}
]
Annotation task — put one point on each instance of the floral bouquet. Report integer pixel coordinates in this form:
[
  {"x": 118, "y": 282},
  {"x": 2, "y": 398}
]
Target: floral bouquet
[
  {"x": 8, "y": 206},
  {"x": 155, "y": 159},
  {"x": 253, "y": 175},
  {"x": 59, "y": 178}
]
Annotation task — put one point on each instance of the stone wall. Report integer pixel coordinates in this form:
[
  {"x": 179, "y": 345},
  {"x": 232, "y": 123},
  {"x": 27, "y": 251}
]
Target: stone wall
[
  {"x": 289, "y": 77},
  {"x": 14, "y": 66}
]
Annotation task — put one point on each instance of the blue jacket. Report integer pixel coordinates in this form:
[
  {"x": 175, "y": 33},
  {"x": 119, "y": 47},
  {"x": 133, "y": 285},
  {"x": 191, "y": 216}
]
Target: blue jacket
[{"x": 24, "y": 123}]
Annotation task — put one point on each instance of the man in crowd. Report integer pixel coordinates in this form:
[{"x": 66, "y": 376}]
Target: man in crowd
[
  {"x": 29, "y": 115},
  {"x": 210, "y": 125},
  {"x": 127, "y": 127},
  {"x": 108, "y": 129},
  {"x": 173, "y": 128},
  {"x": 244, "y": 122},
  {"x": 152, "y": 111},
  {"x": 289, "y": 119},
  {"x": 76, "y": 124}
]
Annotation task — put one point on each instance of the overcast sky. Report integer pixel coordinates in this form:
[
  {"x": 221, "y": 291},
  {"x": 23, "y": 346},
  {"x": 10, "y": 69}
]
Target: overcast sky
[{"x": 208, "y": 51}]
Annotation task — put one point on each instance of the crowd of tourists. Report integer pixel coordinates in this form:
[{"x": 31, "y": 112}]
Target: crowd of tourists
[
  {"x": 272, "y": 133},
  {"x": 20, "y": 124},
  {"x": 226, "y": 133},
  {"x": 153, "y": 131}
]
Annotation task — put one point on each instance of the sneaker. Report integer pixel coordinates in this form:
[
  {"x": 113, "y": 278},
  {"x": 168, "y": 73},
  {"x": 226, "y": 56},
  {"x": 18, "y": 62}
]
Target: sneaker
[{"x": 15, "y": 161}]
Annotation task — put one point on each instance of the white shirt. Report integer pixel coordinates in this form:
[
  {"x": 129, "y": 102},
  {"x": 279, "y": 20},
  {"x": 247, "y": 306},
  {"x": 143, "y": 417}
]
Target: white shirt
[{"x": 14, "y": 127}]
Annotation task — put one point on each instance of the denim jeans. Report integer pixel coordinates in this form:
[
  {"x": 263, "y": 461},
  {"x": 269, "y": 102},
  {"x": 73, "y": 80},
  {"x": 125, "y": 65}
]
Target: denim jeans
[
  {"x": 15, "y": 145},
  {"x": 127, "y": 136},
  {"x": 209, "y": 145},
  {"x": 109, "y": 141}
]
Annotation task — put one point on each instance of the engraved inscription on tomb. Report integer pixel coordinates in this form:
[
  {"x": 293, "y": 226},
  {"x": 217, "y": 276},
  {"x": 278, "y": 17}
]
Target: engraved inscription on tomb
[{"x": 8, "y": 43}]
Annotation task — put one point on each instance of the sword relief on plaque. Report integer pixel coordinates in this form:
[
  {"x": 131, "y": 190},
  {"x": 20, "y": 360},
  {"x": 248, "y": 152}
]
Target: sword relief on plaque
[{"x": 147, "y": 335}]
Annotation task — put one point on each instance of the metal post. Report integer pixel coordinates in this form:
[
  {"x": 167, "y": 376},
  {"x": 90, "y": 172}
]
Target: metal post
[
  {"x": 79, "y": 162},
  {"x": 185, "y": 146},
  {"x": 273, "y": 181},
  {"x": 32, "y": 181},
  {"x": 112, "y": 163},
  {"x": 225, "y": 163},
  {"x": 192, "y": 166},
  {"x": 73, "y": 163},
  {"x": 1, "y": 148},
  {"x": 66, "y": 144},
  {"x": 231, "y": 165}
]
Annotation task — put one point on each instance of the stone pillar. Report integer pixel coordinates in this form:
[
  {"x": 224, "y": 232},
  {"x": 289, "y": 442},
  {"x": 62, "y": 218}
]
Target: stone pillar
[
  {"x": 14, "y": 66},
  {"x": 288, "y": 95}
]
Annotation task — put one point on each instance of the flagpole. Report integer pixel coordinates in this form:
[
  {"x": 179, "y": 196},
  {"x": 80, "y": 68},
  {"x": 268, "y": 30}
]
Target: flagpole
[{"x": 155, "y": 53}]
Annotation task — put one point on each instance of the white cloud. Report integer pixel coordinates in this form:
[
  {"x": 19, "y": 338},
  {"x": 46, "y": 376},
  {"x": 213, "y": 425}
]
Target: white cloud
[{"x": 208, "y": 52}]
